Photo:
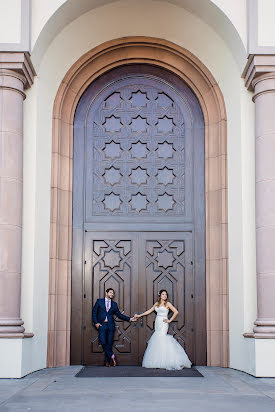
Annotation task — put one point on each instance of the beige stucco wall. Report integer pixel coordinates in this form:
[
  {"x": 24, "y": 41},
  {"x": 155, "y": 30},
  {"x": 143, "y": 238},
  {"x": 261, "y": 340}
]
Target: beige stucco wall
[
  {"x": 173, "y": 23},
  {"x": 266, "y": 27},
  {"x": 41, "y": 13},
  {"x": 43, "y": 10},
  {"x": 10, "y": 21},
  {"x": 228, "y": 18},
  {"x": 236, "y": 11},
  {"x": 47, "y": 19}
]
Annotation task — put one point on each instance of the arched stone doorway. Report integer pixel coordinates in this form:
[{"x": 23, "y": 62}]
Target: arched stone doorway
[
  {"x": 138, "y": 209},
  {"x": 183, "y": 64}
]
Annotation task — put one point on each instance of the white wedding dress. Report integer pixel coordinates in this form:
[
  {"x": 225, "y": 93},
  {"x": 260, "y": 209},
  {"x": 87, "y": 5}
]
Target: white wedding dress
[{"x": 163, "y": 351}]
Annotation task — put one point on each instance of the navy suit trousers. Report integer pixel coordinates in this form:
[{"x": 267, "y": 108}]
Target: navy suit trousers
[{"x": 106, "y": 337}]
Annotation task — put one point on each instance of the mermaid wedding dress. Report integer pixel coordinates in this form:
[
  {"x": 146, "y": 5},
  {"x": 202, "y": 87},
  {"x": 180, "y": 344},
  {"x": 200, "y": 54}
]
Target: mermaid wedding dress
[{"x": 163, "y": 351}]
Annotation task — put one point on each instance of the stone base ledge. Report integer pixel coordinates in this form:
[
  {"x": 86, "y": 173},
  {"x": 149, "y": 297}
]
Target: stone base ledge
[
  {"x": 256, "y": 356},
  {"x": 16, "y": 359},
  {"x": 259, "y": 335},
  {"x": 16, "y": 335}
]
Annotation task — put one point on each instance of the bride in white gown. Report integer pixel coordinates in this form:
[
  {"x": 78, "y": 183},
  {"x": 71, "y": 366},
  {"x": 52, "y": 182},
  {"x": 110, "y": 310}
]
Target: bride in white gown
[{"x": 163, "y": 351}]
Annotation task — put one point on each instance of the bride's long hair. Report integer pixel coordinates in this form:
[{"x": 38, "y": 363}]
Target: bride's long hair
[{"x": 159, "y": 297}]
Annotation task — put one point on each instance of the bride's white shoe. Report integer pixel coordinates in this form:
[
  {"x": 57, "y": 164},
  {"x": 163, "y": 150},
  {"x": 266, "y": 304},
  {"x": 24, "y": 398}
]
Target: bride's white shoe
[{"x": 163, "y": 351}]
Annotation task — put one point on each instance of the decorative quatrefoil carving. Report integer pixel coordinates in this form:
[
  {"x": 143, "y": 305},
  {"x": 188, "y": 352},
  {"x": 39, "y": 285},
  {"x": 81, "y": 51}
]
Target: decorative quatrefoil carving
[
  {"x": 165, "y": 150},
  {"x": 165, "y": 176},
  {"x": 112, "y": 124},
  {"x": 139, "y": 202},
  {"x": 165, "y": 125},
  {"x": 139, "y": 176},
  {"x": 112, "y": 202},
  {"x": 165, "y": 259},
  {"x": 112, "y": 150},
  {"x": 139, "y": 150},
  {"x": 111, "y": 259},
  {"x": 138, "y": 124},
  {"x": 165, "y": 202},
  {"x": 139, "y": 99},
  {"x": 112, "y": 175}
]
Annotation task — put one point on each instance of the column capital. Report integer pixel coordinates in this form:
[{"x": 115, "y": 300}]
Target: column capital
[
  {"x": 20, "y": 63},
  {"x": 258, "y": 67}
]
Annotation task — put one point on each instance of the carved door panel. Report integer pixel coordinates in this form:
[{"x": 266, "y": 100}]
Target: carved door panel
[
  {"x": 137, "y": 266},
  {"x": 139, "y": 154},
  {"x": 165, "y": 262},
  {"x": 111, "y": 262}
]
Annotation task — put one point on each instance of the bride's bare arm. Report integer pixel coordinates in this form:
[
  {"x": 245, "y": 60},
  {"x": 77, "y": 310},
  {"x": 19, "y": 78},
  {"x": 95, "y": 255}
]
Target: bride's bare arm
[
  {"x": 174, "y": 310},
  {"x": 147, "y": 312}
]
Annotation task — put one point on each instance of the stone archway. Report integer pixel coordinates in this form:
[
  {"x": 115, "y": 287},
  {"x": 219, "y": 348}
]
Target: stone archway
[{"x": 89, "y": 67}]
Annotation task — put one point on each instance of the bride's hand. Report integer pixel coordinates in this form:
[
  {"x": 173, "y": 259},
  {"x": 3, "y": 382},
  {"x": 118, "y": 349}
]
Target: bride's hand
[{"x": 166, "y": 321}]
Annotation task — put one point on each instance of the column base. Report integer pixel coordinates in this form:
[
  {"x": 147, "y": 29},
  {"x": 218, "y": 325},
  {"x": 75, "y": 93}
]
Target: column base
[
  {"x": 16, "y": 335},
  {"x": 11, "y": 326},
  {"x": 264, "y": 326},
  {"x": 258, "y": 335}
]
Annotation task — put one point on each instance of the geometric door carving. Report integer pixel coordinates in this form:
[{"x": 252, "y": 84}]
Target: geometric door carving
[
  {"x": 111, "y": 263},
  {"x": 112, "y": 266},
  {"x": 167, "y": 259},
  {"x": 136, "y": 157},
  {"x": 137, "y": 266}
]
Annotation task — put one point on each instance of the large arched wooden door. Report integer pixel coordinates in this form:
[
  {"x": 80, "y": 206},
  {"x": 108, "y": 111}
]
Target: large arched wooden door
[{"x": 138, "y": 209}]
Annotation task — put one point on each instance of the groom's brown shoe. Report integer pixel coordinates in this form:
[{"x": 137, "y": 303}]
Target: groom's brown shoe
[
  {"x": 113, "y": 360},
  {"x": 107, "y": 364}
]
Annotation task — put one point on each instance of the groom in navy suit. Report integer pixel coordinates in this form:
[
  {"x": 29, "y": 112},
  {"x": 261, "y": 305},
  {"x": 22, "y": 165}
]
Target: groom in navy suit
[{"x": 103, "y": 319}]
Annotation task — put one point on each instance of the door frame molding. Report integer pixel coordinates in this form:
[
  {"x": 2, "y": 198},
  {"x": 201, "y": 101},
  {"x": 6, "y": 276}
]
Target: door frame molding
[{"x": 165, "y": 54}]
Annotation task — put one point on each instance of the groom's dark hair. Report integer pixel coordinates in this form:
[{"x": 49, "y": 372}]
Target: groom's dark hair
[{"x": 108, "y": 290}]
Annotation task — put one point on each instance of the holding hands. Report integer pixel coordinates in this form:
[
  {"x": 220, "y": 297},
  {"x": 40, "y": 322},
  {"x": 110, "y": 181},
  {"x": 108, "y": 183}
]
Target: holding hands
[{"x": 136, "y": 317}]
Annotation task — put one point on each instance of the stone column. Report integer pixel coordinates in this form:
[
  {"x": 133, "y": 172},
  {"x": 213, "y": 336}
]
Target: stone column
[
  {"x": 16, "y": 72},
  {"x": 11, "y": 182},
  {"x": 260, "y": 78},
  {"x": 264, "y": 98}
]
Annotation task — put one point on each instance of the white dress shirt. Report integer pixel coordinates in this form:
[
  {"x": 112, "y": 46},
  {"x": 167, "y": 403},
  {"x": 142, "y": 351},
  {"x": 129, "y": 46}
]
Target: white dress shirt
[{"x": 108, "y": 303}]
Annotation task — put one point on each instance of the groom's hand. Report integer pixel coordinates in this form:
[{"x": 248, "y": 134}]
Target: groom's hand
[
  {"x": 133, "y": 319},
  {"x": 97, "y": 325}
]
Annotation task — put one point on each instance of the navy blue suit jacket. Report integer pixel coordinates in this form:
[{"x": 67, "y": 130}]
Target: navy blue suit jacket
[{"x": 99, "y": 313}]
